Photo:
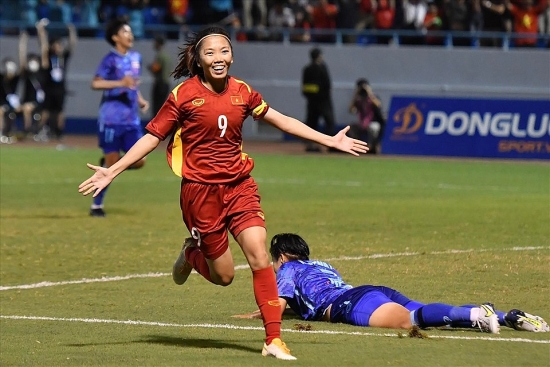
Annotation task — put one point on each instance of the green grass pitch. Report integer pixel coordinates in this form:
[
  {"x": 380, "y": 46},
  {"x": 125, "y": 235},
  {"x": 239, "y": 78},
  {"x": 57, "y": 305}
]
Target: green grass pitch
[{"x": 437, "y": 230}]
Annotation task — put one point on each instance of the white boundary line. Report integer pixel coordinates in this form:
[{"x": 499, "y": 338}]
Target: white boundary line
[
  {"x": 235, "y": 327},
  {"x": 240, "y": 267}
]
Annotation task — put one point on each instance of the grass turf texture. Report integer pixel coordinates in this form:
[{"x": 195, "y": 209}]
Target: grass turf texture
[{"x": 344, "y": 207}]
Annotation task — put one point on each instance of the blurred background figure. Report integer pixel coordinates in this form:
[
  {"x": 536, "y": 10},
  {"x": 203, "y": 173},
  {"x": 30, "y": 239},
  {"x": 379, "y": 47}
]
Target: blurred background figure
[
  {"x": 544, "y": 25},
  {"x": 10, "y": 104},
  {"x": 254, "y": 13},
  {"x": 496, "y": 18},
  {"x": 280, "y": 17},
  {"x": 324, "y": 18},
  {"x": 33, "y": 77},
  {"x": 525, "y": 16},
  {"x": 384, "y": 17},
  {"x": 161, "y": 69},
  {"x": 433, "y": 22},
  {"x": 370, "y": 118},
  {"x": 55, "y": 58},
  {"x": 316, "y": 87},
  {"x": 413, "y": 14}
]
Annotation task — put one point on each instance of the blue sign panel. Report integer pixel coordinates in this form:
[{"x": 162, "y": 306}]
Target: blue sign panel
[{"x": 463, "y": 127}]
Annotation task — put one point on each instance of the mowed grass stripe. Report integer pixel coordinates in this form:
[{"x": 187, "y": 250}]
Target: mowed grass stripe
[
  {"x": 255, "y": 328},
  {"x": 240, "y": 267}
]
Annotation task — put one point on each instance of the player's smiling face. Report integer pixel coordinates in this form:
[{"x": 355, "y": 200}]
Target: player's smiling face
[
  {"x": 124, "y": 38},
  {"x": 215, "y": 58}
]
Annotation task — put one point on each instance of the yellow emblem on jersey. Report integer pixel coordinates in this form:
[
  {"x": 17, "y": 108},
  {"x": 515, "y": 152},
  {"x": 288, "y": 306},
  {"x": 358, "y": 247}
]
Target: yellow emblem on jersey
[
  {"x": 261, "y": 215},
  {"x": 198, "y": 102}
]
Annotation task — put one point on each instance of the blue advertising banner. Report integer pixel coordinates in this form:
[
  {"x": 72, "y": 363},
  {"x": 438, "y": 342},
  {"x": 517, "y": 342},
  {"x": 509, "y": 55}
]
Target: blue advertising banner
[{"x": 464, "y": 127}]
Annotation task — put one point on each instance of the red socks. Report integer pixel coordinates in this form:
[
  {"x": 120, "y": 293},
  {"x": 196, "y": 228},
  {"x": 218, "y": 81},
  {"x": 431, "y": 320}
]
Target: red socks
[
  {"x": 195, "y": 257},
  {"x": 267, "y": 298}
]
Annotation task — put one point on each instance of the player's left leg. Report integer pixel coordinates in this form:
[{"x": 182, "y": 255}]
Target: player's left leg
[
  {"x": 247, "y": 225},
  {"x": 252, "y": 241},
  {"x": 439, "y": 314},
  {"x": 129, "y": 138}
]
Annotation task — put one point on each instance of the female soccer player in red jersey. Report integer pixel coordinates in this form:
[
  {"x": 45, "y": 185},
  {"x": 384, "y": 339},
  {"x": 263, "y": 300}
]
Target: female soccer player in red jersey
[{"x": 203, "y": 116}]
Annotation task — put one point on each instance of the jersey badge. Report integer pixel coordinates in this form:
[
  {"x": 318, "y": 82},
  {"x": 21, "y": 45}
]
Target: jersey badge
[
  {"x": 261, "y": 215},
  {"x": 237, "y": 100},
  {"x": 198, "y": 102}
]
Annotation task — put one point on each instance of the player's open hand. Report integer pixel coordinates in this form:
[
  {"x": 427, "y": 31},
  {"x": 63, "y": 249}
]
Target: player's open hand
[
  {"x": 99, "y": 180},
  {"x": 349, "y": 145}
]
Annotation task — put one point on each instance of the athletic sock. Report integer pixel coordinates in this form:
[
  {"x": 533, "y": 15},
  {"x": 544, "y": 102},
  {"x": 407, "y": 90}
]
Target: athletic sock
[
  {"x": 439, "y": 314},
  {"x": 267, "y": 298},
  {"x": 196, "y": 258},
  {"x": 98, "y": 200},
  {"x": 500, "y": 315}
]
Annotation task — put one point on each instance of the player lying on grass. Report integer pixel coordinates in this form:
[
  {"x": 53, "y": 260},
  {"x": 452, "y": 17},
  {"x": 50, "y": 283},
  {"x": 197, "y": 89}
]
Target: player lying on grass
[{"x": 315, "y": 291}]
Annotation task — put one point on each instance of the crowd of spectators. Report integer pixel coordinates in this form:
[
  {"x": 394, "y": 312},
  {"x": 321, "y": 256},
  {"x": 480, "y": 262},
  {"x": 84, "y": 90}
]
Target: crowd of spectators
[{"x": 307, "y": 20}]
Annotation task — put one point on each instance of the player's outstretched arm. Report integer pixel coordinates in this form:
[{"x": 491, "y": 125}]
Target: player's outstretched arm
[
  {"x": 104, "y": 176},
  {"x": 292, "y": 126}
]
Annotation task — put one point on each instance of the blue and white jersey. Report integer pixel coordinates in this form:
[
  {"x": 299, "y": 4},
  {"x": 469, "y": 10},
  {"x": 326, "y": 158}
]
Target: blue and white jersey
[
  {"x": 119, "y": 106},
  {"x": 309, "y": 286}
]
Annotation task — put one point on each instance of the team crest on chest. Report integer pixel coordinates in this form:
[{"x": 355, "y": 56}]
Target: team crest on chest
[
  {"x": 198, "y": 102},
  {"x": 237, "y": 100}
]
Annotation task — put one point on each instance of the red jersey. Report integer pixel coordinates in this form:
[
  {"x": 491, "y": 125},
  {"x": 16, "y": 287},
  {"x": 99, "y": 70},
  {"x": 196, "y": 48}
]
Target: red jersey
[{"x": 206, "y": 130}]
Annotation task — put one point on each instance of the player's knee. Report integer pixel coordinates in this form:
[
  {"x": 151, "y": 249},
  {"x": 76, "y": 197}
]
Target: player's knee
[{"x": 224, "y": 279}]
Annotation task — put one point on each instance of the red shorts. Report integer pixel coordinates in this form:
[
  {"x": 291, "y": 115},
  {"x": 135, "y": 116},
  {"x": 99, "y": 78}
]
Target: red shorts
[{"x": 210, "y": 210}]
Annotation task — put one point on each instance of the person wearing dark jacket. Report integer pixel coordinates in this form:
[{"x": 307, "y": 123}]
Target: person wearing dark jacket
[{"x": 316, "y": 89}]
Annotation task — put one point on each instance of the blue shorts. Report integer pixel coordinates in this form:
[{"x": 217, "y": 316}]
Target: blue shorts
[
  {"x": 355, "y": 306},
  {"x": 116, "y": 138}
]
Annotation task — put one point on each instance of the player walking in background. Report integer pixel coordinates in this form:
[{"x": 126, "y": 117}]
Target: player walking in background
[
  {"x": 55, "y": 58},
  {"x": 315, "y": 291},
  {"x": 204, "y": 116},
  {"x": 119, "y": 126}
]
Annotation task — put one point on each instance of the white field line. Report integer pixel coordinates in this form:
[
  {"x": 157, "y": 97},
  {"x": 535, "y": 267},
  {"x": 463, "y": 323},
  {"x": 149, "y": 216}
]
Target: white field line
[
  {"x": 240, "y": 267},
  {"x": 235, "y": 327}
]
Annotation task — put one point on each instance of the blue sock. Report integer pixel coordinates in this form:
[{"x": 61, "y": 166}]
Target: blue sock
[
  {"x": 500, "y": 315},
  {"x": 439, "y": 314},
  {"x": 98, "y": 200}
]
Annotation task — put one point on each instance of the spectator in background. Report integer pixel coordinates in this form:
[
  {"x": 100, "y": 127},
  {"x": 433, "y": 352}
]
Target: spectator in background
[
  {"x": 525, "y": 16},
  {"x": 86, "y": 16},
  {"x": 160, "y": 68},
  {"x": 303, "y": 22},
  {"x": 177, "y": 13},
  {"x": 55, "y": 58},
  {"x": 33, "y": 95},
  {"x": 459, "y": 15},
  {"x": 384, "y": 16},
  {"x": 414, "y": 12},
  {"x": 544, "y": 26},
  {"x": 316, "y": 89},
  {"x": 433, "y": 22},
  {"x": 119, "y": 123},
  {"x": 366, "y": 14},
  {"x": 249, "y": 7},
  {"x": 495, "y": 19},
  {"x": 280, "y": 16},
  {"x": 347, "y": 17},
  {"x": 324, "y": 18},
  {"x": 371, "y": 121},
  {"x": 10, "y": 103}
]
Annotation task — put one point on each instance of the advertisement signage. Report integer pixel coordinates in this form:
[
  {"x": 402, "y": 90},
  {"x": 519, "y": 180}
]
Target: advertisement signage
[{"x": 498, "y": 128}]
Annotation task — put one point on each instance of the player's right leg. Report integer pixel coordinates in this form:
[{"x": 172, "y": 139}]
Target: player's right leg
[
  {"x": 110, "y": 142},
  {"x": 521, "y": 320}
]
